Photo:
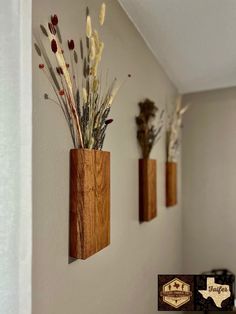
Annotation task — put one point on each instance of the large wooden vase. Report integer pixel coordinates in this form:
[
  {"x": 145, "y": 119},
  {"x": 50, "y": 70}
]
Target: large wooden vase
[
  {"x": 89, "y": 202},
  {"x": 171, "y": 184},
  {"x": 147, "y": 190}
]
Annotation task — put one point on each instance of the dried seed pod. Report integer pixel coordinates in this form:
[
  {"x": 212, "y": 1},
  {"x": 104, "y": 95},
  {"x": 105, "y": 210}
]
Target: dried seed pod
[
  {"x": 54, "y": 45},
  {"x": 109, "y": 121},
  {"x": 54, "y": 19},
  {"x": 75, "y": 57},
  {"x": 44, "y": 31},
  {"x": 71, "y": 44},
  {"x": 81, "y": 49},
  {"x": 37, "y": 49},
  {"x": 59, "y": 70},
  {"x": 52, "y": 28}
]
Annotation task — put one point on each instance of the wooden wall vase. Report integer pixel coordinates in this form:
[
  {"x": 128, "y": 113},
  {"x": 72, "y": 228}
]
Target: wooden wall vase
[
  {"x": 171, "y": 184},
  {"x": 89, "y": 202},
  {"x": 147, "y": 190}
]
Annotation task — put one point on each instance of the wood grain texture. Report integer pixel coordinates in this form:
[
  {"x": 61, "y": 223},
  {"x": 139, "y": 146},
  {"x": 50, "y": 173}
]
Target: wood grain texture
[
  {"x": 89, "y": 202},
  {"x": 171, "y": 184},
  {"x": 147, "y": 190}
]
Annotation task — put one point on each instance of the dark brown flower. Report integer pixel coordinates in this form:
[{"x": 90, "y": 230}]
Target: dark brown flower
[
  {"x": 52, "y": 28},
  {"x": 67, "y": 65},
  {"x": 71, "y": 44},
  {"x": 59, "y": 70},
  {"x": 41, "y": 65},
  {"x": 108, "y": 121},
  {"x": 54, "y": 19},
  {"x": 54, "y": 46},
  {"x": 61, "y": 92}
]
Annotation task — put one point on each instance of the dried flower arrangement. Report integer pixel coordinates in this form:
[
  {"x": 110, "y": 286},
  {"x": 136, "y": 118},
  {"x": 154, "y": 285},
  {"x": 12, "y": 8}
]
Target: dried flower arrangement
[
  {"x": 84, "y": 105},
  {"x": 147, "y": 133},
  {"x": 173, "y": 130}
]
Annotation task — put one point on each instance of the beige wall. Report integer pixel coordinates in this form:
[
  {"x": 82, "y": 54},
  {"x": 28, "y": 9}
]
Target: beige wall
[
  {"x": 122, "y": 277},
  {"x": 209, "y": 181}
]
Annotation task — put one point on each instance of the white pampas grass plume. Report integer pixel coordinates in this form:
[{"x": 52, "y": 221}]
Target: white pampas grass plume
[
  {"x": 102, "y": 14},
  {"x": 88, "y": 27},
  {"x": 183, "y": 110},
  {"x": 85, "y": 95},
  {"x": 92, "y": 52}
]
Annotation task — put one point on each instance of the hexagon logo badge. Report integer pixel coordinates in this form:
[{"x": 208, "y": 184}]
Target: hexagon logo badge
[{"x": 176, "y": 293}]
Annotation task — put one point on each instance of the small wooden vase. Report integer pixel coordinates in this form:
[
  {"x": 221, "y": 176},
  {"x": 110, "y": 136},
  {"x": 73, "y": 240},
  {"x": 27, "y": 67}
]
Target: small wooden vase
[
  {"x": 89, "y": 202},
  {"x": 171, "y": 184},
  {"x": 147, "y": 190}
]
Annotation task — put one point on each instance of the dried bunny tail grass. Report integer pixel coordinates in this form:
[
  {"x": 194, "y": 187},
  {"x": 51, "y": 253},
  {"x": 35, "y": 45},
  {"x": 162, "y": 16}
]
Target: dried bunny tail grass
[
  {"x": 96, "y": 39},
  {"x": 85, "y": 95},
  {"x": 113, "y": 94},
  {"x": 88, "y": 27},
  {"x": 95, "y": 85},
  {"x": 101, "y": 48},
  {"x": 97, "y": 58},
  {"x": 115, "y": 89},
  {"x": 183, "y": 110},
  {"x": 92, "y": 52},
  {"x": 94, "y": 69},
  {"x": 102, "y": 14}
]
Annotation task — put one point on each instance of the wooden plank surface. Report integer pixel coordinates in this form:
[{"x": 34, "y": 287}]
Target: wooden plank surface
[
  {"x": 147, "y": 189},
  {"x": 89, "y": 202},
  {"x": 171, "y": 184}
]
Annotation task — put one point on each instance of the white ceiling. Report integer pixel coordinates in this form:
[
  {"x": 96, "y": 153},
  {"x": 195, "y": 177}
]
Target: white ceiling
[{"x": 194, "y": 40}]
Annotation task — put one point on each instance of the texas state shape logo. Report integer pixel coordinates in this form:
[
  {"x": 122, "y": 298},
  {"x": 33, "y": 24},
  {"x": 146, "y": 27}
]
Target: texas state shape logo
[{"x": 216, "y": 291}]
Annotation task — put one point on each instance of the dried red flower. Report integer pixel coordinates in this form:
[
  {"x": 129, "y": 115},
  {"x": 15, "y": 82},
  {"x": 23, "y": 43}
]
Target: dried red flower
[
  {"x": 59, "y": 70},
  {"x": 52, "y": 28},
  {"x": 61, "y": 92},
  {"x": 54, "y": 46},
  {"x": 54, "y": 19},
  {"x": 108, "y": 121},
  {"x": 71, "y": 44},
  {"x": 41, "y": 65}
]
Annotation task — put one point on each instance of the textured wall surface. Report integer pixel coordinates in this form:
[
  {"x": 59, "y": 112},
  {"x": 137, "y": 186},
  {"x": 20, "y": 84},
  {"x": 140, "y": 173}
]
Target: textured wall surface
[
  {"x": 15, "y": 157},
  {"x": 209, "y": 179},
  {"x": 122, "y": 277}
]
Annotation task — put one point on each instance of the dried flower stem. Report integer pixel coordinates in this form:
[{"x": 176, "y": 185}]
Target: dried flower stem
[{"x": 84, "y": 107}]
